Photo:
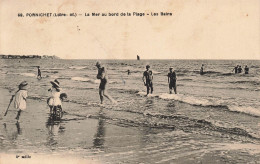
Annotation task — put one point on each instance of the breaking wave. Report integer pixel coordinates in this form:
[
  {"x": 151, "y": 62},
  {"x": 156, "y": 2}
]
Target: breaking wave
[
  {"x": 28, "y": 74},
  {"x": 77, "y": 67},
  {"x": 205, "y": 102}
]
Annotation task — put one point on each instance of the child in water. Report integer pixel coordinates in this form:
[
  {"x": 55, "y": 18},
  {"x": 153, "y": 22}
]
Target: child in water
[
  {"x": 20, "y": 98},
  {"x": 54, "y": 101}
]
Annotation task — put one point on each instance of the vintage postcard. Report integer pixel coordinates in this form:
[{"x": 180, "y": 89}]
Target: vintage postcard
[{"x": 129, "y": 81}]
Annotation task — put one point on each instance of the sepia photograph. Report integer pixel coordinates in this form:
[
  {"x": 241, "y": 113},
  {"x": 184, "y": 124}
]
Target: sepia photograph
[{"x": 129, "y": 81}]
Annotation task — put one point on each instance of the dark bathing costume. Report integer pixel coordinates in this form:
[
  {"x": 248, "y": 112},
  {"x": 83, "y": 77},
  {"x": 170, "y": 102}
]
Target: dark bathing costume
[
  {"x": 246, "y": 70},
  {"x": 148, "y": 77},
  {"x": 103, "y": 81},
  {"x": 236, "y": 69},
  {"x": 239, "y": 70},
  {"x": 172, "y": 76},
  {"x": 39, "y": 72}
]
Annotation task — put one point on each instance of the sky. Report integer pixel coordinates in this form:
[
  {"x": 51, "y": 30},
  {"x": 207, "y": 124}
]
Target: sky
[{"x": 198, "y": 29}]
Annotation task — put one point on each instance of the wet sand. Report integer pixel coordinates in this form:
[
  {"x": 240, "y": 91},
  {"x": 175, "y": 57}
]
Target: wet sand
[{"x": 92, "y": 138}]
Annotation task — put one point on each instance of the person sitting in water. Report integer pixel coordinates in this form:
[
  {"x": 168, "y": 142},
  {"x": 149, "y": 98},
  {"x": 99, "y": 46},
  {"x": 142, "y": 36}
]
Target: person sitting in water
[
  {"x": 54, "y": 101},
  {"x": 172, "y": 80},
  {"x": 239, "y": 70},
  {"x": 202, "y": 69},
  {"x": 246, "y": 70},
  {"x": 102, "y": 75},
  {"x": 235, "y": 68},
  {"x": 148, "y": 75}
]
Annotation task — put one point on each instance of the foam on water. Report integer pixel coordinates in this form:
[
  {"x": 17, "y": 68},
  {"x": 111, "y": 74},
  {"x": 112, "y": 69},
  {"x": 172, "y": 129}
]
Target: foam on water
[
  {"x": 80, "y": 79},
  {"x": 188, "y": 99},
  {"x": 55, "y": 68},
  {"x": 144, "y": 94},
  {"x": 77, "y": 67},
  {"x": 210, "y": 103},
  {"x": 245, "y": 109},
  {"x": 84, "y": 79},
  {"x": 28, "y": 74},
  {"x": 156, "y": 72}
]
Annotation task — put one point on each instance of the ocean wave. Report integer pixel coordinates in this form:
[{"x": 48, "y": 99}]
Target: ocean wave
[
  {"x": 85, "y": 79},
  {"x": 208, "y": 103},
  {"x": 144, "y": 94},
  {"x": 55, "y": 68},
  {"x": 77, "y": 67},
  {"x": 246, "y": 82},
  {"x": 28, "y": 74},
  {"x": 210, "y": 72},
  {"x": 245, "y": 109},
  {"x": 192, "y": 100},
  {"x": 156, "y": 72},
  {"x": 80, "y": 79},
  {"x": 227, "y": 74},
  {"x": 50, "y": 71},
  {"x": 187, "y": 79}
]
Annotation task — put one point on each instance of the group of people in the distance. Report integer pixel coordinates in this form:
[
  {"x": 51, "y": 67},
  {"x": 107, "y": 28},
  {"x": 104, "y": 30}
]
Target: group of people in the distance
[{"x": 238, "y": 69}]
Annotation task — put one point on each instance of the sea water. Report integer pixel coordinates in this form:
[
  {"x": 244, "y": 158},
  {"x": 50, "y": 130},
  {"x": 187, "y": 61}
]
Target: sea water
[{"x": 216, "y": 104}]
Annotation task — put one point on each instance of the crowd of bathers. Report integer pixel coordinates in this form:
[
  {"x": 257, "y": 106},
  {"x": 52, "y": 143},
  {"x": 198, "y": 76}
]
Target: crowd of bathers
[
  {"x": 238, "y": 69},
  {"x": 54, "y": 101}
]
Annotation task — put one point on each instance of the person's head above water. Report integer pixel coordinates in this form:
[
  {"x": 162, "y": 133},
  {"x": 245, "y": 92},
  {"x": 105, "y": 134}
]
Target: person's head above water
[
  {"x": 147, "y": 66},
  {"x": 98, "y": 64}
]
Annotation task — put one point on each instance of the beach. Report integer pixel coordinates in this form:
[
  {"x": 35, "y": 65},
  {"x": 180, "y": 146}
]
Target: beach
[{"x": 214, "y": 118}]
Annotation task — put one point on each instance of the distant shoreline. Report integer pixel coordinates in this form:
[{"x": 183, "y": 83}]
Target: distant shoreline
[
  {"x": 56, "y": 57},
  {"x": 28, "y": 57}
]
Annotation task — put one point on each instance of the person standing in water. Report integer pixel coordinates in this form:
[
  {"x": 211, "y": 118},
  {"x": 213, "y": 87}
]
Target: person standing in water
[
  {"x": 246, "y": 70},
  {"x": 172, "y": 80},
  {"x": 20, "y": 98},
  {"x": 102, "y": 75},
  {"x": 39, "y": 73},
  {"x": 54, "y": 101},
  {"x": 239, "y": 69},
  {"x": 202, "y": 69},
  {"x": 235, "y": 68},
  {"x": 148, "y": 82}
]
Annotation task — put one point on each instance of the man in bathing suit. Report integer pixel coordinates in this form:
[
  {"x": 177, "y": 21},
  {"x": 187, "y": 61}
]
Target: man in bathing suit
[
  {"x": 172, "y": 80},
  {"x": 148, "y": 82},
  {"x": 102, "y": 75}
]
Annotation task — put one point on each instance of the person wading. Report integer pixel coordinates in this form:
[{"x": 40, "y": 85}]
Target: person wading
[
  {"x": 102, "y": 75},
  {"x": 148, "y": 79},
  {"x": 172, "y": 80},
  {"x": 20, "y": 98}
]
